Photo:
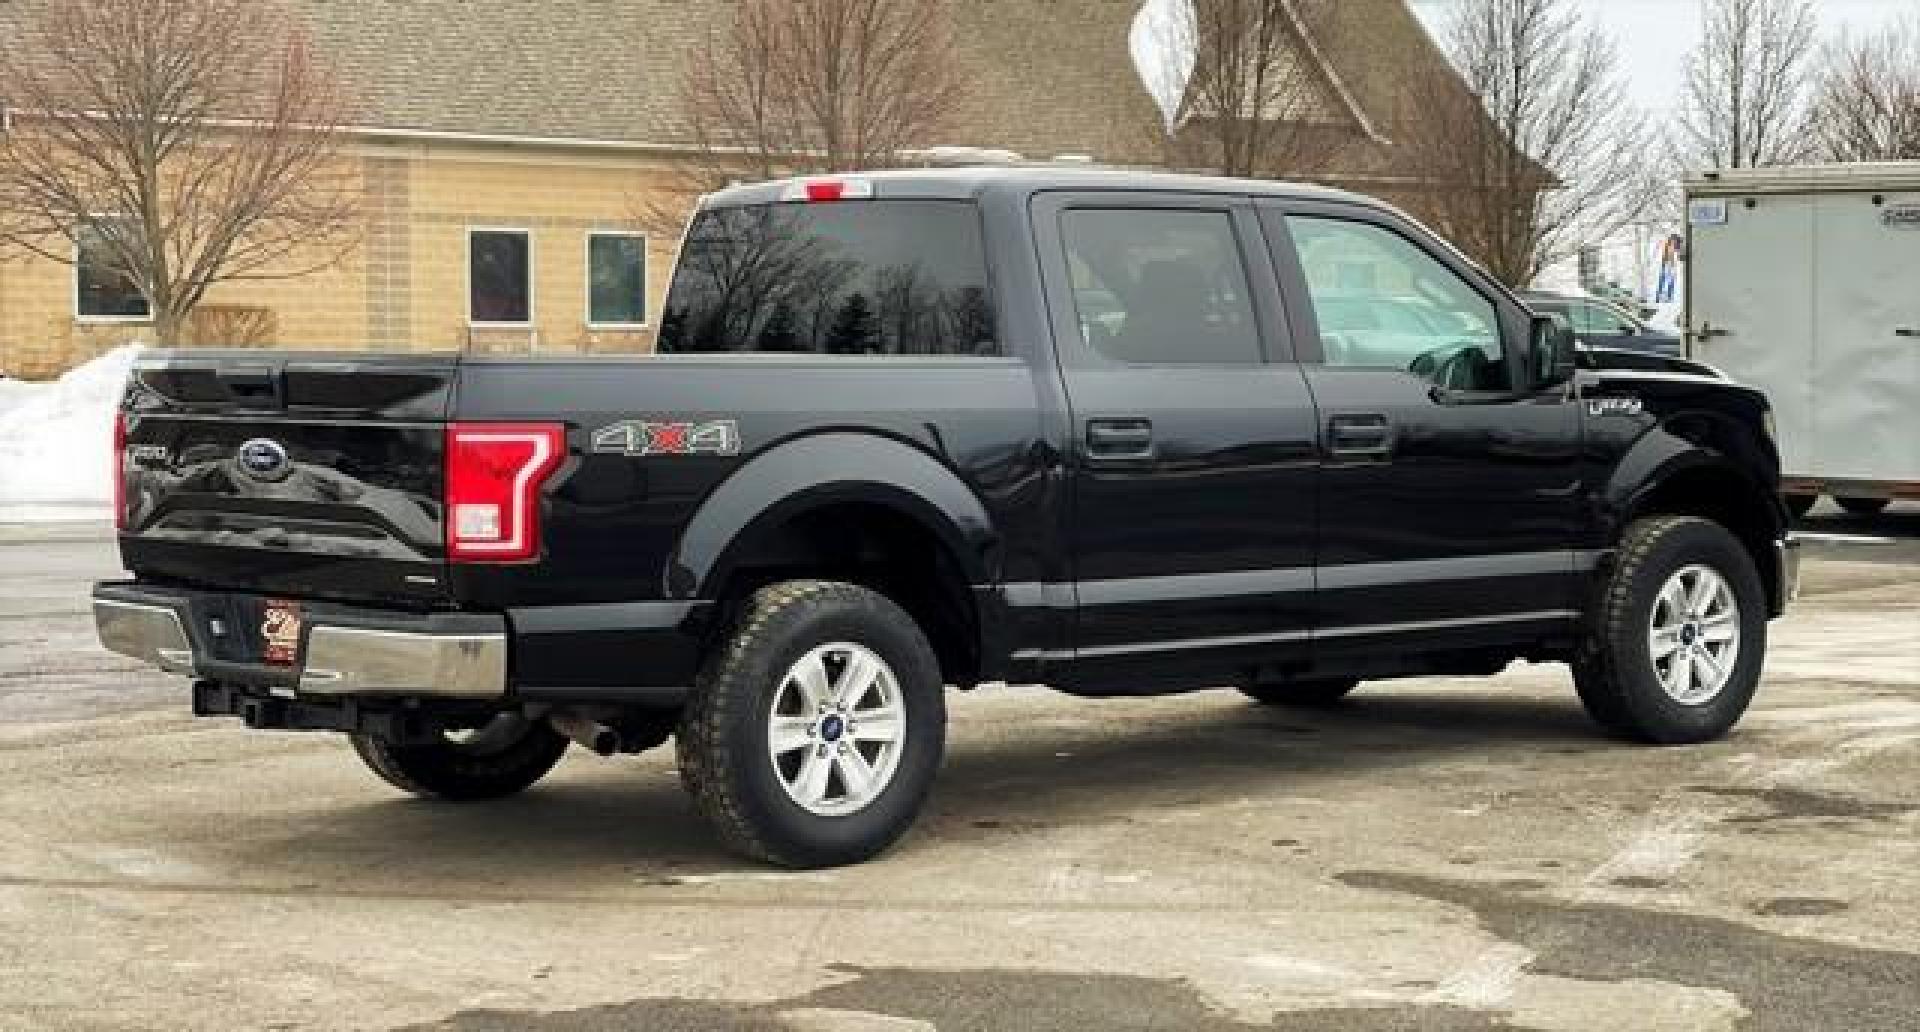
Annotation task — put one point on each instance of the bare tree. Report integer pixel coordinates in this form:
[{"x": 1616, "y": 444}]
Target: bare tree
[
  {"x": 192, "y": 142},
  {"x": 1745, "y": 96},
  {"x": 1540, "y": 154},
  {"x": 1867, "y": 104},
  {"x": 796, "y": 86},
  {"x": 1260, "y": 101}
]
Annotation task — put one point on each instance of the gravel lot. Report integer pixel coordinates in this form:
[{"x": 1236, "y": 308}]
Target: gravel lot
[{"x": 1438, "y": 854}]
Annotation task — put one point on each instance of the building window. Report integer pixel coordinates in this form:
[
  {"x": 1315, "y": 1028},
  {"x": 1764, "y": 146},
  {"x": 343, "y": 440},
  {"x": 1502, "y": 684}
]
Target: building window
[
  {"x": 499, "y": 276},
  {"x": 101, "y": 290},
  {"x": 616, "y": 279}
]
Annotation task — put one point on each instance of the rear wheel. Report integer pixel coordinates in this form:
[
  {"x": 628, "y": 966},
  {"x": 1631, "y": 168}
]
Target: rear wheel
[
  {"x": 1677, "y": 638},
  {"x": 1800, "y": 504},
  {"x": 1321, "y": 692},
  {"x": 814, "y": 732},
  {"x": 505, "y": 756},
  {"x": 1863, "y": 506}
]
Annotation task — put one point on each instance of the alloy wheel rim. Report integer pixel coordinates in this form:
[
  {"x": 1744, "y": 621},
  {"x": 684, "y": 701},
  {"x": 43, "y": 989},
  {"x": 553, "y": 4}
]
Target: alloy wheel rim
[
  {"x": 1693, "y": 635},
  {"x": 836, "y": 729}
]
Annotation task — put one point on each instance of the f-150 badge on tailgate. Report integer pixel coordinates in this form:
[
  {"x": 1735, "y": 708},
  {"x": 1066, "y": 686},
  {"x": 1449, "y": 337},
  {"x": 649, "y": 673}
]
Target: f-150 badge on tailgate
[{"x": 638, "y": 437}]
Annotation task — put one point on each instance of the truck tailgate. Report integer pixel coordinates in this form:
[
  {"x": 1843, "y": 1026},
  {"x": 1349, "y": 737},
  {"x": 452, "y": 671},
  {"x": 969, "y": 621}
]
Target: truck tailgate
[{"x": 306, "y": 475}]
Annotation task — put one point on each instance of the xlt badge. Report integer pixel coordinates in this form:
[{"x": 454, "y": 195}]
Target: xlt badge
[{"x": 1615, "y": 406}]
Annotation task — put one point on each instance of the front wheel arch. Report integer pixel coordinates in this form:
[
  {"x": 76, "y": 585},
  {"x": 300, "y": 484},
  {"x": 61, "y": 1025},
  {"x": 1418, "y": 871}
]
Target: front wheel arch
[{"x": 1709, "y": 487}]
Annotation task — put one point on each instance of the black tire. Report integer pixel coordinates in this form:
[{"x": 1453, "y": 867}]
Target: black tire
[
  {"x": 1323, "y": 692},
  {"x": 1863, "y": 506},
  {"x": 1615, "y": 671},
  {"x": 499, "y": 760},
  {"x": 722, "y": 741},
  {"x": 1800, "y": 504}
]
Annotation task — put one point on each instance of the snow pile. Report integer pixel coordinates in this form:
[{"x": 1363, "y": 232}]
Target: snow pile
[
  {"x": 14, "y": 393},
  {"x": 56, "y": 439}
]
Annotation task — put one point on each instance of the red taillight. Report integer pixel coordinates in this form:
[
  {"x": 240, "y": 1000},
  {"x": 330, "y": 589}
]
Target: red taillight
[
  {"x": 120, "y": 470},
  {"x": 494, "y": 473}
]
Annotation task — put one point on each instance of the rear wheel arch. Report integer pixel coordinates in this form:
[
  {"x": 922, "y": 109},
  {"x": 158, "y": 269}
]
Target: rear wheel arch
[{"x": 858, "y": 509}]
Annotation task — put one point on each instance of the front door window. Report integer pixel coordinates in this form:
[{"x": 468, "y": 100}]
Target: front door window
[{"x": 1383, "y": 303}]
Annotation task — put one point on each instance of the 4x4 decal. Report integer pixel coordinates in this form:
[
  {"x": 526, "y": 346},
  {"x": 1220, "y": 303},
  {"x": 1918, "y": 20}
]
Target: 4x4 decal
[{"x": 640, "y": 437}]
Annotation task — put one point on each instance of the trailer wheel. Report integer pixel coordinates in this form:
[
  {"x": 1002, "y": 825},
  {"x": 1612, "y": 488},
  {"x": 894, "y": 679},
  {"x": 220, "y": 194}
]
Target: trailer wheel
[
  {"x": 816, "y": 727},
  {"x": 1863, "y": 506},
  {"x": 1677, "y": 636},
  {"x": 1800, "y": 504},
  {"x": 500, "y": 759}
]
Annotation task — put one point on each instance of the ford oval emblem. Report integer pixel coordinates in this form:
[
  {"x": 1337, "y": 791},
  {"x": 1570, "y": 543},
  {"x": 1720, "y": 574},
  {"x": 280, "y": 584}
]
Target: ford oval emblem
[{"x": 263, "y": 459}]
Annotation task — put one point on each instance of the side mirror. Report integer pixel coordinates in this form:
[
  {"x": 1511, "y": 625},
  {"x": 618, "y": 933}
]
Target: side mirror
[{"x": 1553, "y": 352}]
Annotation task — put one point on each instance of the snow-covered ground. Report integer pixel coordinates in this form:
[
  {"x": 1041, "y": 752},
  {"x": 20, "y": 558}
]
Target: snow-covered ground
[
  {"x": 56, "y": 441},
  {"x": 14, "y": 392}
]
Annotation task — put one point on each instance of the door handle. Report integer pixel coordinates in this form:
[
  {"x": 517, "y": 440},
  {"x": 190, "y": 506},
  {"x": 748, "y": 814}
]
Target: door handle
[
  {"x": 1362, "y": 436},
  {"x": 1906, "y": 331},
  {"x": 1119, "y": 439},
  {"x": 1708, "y": 331}
]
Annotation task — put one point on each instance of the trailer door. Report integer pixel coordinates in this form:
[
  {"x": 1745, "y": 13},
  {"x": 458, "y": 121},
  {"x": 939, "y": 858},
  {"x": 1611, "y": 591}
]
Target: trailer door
[
  {"x": 1750, "y": 307},
  {"x": 1866, "y": 370}
]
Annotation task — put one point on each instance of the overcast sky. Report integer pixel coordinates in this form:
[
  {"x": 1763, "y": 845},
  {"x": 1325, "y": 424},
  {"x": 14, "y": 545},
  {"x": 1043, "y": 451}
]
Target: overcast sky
[{"x": 1655, "y": 35}]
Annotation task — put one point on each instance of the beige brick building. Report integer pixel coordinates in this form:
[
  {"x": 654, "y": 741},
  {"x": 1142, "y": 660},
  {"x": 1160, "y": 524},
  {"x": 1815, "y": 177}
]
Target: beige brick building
[{"x": 509, "y": 147}]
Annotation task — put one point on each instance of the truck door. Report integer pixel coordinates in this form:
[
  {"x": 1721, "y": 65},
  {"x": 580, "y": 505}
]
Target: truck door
[
  {"x": 1451, "y": 495},
  {"x": 1192, "y": 460}
]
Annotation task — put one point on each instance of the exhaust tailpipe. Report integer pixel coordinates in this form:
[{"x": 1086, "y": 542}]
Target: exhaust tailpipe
[{"x": 587, "y": 732}]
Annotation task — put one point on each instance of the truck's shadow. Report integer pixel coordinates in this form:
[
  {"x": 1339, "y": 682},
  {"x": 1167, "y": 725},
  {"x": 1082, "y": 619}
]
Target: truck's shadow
[{"x": 1071, "y": 765}]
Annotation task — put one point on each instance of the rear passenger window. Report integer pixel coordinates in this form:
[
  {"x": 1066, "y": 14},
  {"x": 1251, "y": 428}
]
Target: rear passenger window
[{"x": 1161, "y": 287}]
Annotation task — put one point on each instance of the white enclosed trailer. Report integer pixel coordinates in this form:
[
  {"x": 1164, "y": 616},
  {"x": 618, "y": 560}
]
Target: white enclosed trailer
[{"x": 1805, "y": 282}]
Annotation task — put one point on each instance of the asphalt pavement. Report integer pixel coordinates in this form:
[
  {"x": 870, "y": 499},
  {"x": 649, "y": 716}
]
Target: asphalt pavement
[{"x": 1436, "y": 854}]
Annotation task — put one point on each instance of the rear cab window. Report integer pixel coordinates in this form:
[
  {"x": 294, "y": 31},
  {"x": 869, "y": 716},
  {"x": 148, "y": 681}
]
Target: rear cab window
[{"x": 853, "y": 278}]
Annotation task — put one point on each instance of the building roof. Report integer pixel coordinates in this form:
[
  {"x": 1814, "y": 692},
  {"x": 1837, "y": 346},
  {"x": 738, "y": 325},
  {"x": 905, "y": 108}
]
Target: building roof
[
  {"x": 602, "y": 70},
  {"x": 1043, "y": 79}
]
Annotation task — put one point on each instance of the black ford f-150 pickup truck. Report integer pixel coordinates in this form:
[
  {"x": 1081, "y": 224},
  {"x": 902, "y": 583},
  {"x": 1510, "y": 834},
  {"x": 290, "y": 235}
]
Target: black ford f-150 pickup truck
[{"x": 1115, "y": 433}]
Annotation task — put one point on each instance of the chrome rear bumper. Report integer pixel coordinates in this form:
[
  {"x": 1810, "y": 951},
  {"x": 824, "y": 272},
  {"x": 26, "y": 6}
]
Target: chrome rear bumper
[
  {"x": 346, "y": 652},
  {"x": 367, "y": 661},
  {"x": 149, "y": 633}
]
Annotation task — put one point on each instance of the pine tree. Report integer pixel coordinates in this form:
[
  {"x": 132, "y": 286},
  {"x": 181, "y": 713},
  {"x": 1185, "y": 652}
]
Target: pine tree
[
  {"x": 854, "y": 331},
  {"x": 781, "y": 332}
]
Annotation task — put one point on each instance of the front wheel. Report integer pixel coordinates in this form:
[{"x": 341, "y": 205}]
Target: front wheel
[
  {"x": 814, "y": 731},
  {"x": 1677, "y": 638},
  {"x": 505, "y": 756}
]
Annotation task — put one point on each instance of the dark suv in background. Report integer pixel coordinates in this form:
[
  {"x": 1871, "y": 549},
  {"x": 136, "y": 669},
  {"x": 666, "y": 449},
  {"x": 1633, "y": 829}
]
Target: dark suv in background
[{"x": 1599, "y": 323}]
